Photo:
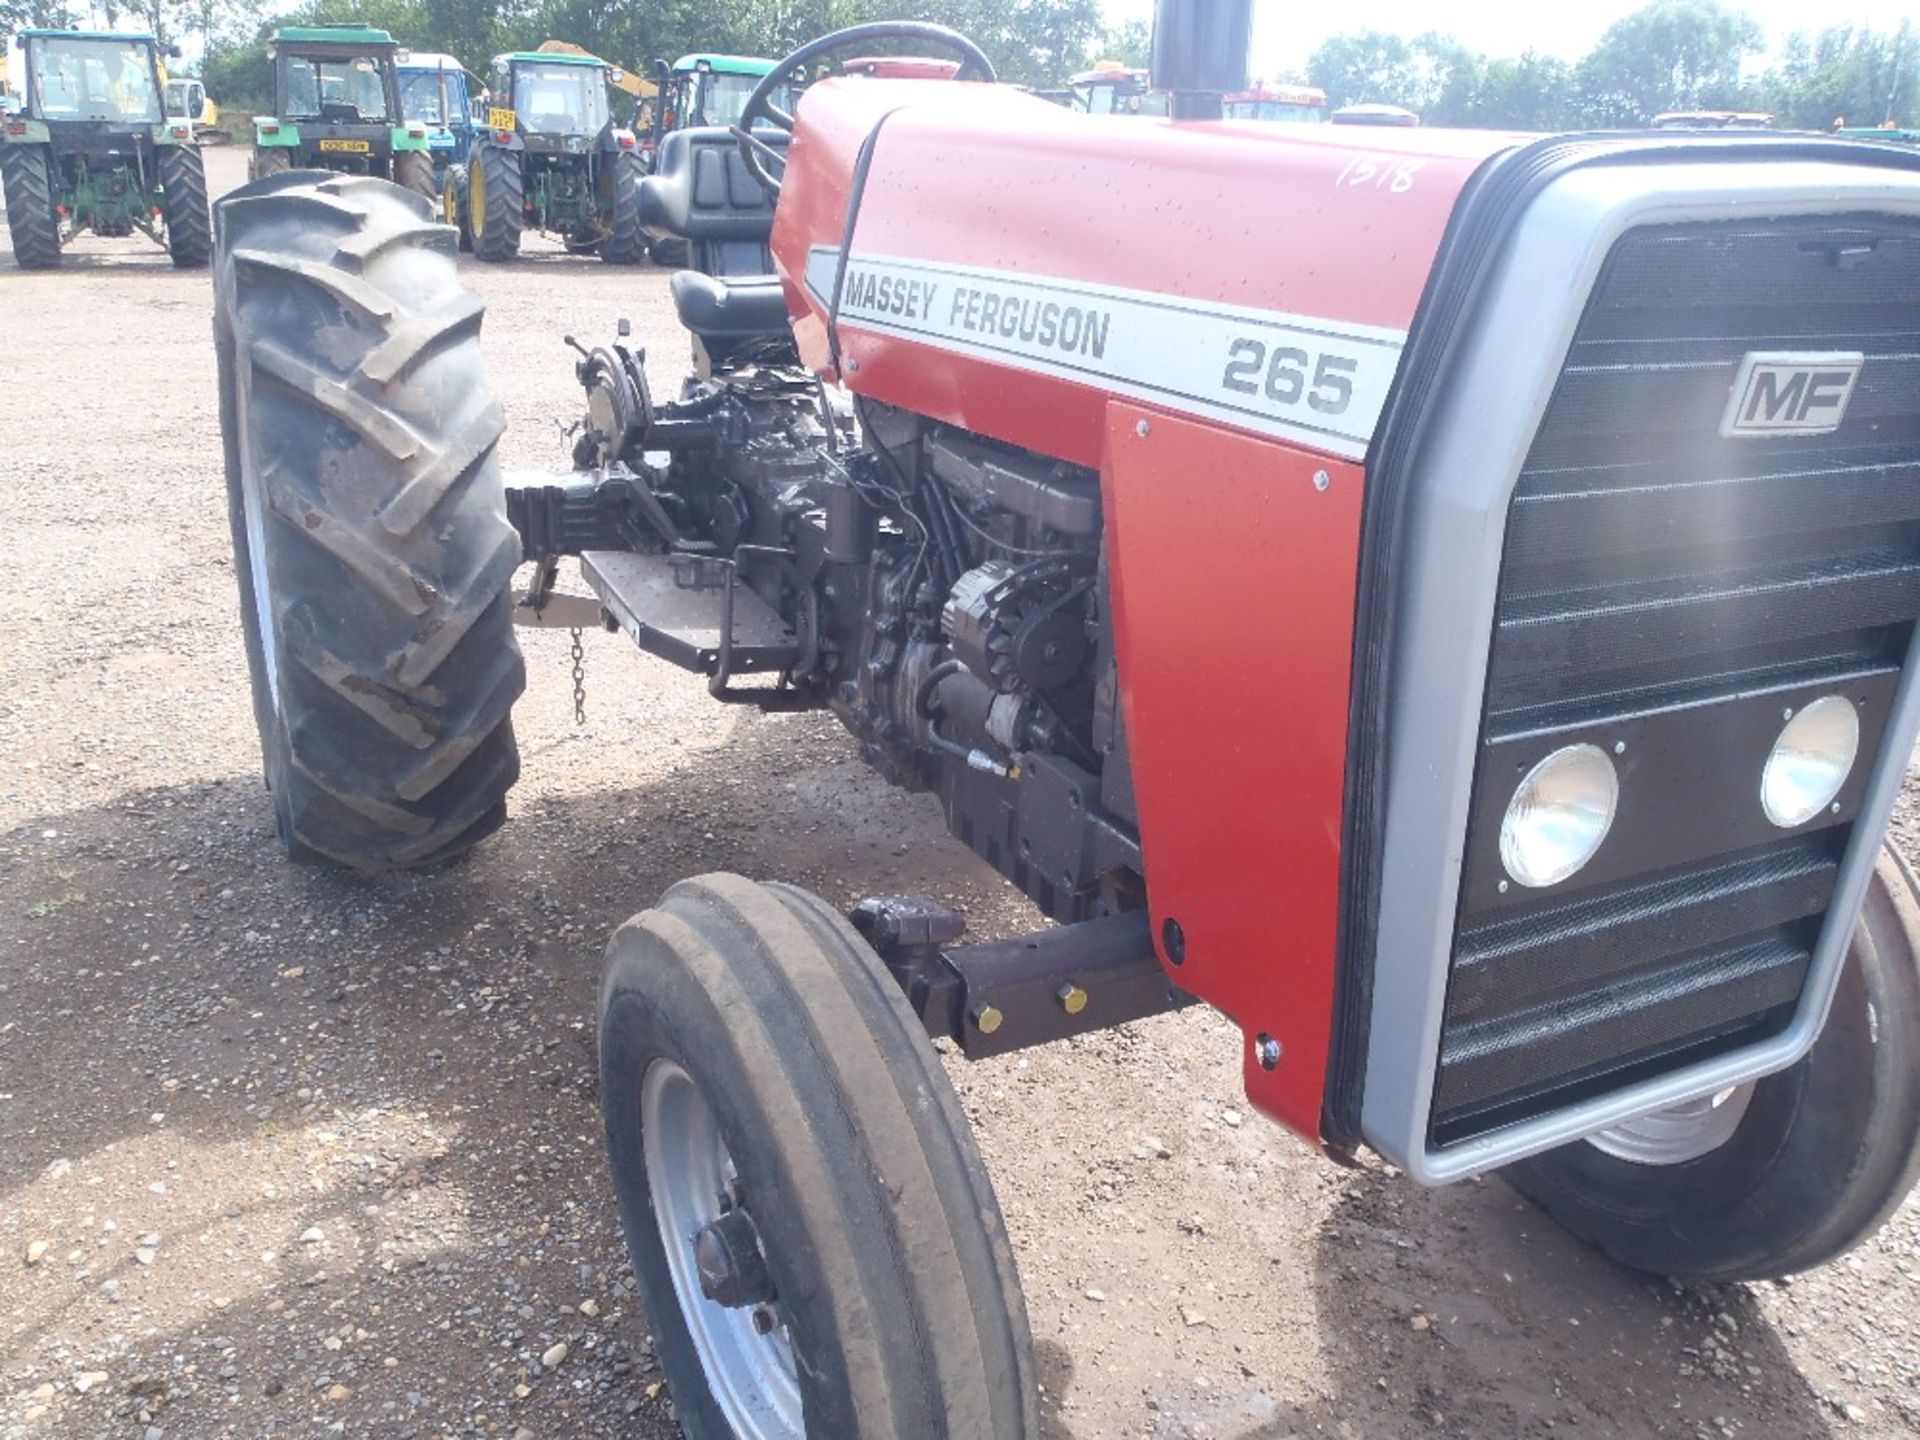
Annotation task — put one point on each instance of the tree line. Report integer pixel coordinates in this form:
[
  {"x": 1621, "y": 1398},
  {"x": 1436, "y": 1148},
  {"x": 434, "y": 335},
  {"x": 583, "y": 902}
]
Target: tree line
[{"x": 1669, "y": 55}]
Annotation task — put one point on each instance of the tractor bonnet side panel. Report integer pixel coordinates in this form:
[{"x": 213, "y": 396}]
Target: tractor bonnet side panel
[
  {"x": 1212, "y": 316},
  {"x": 992, "y": 237}
]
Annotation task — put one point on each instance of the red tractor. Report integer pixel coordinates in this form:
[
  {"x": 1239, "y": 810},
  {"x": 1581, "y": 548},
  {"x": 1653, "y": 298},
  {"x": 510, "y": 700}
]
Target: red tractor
[{"x": 1444, "y": 600}]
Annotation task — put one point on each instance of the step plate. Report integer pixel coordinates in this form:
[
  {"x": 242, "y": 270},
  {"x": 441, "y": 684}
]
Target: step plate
[{"x": 661, "y": 602}]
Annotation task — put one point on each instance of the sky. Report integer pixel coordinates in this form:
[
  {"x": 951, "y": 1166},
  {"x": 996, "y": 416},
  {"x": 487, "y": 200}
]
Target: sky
[{"x": 1285, "y": 32}]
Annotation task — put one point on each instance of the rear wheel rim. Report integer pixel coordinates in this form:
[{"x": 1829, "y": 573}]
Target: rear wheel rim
[
  {"x": 253, "y": 513},
  {"x": 753, "y": 1377},
  {"x": 1678, "y": 1133},
  {"x": 477, "y": 199}
]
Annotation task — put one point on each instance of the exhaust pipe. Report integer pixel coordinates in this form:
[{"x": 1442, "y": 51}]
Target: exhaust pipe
[{"x": 1200, "y": 53}]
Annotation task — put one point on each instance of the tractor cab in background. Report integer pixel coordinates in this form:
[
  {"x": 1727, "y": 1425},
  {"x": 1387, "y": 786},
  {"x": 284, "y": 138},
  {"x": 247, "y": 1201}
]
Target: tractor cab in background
[
  {"x": 1111, "y": 88},
  {"x": 187, "y": 100},
  {"x": 549, "y": 157},
  {"x": 336, "y": 106},
  {"x": 699, "y": 101},
  {"x": 1296, "y": 103},
  {"x": 87, "y": 145},
  {"x": 433, "y": 93}
]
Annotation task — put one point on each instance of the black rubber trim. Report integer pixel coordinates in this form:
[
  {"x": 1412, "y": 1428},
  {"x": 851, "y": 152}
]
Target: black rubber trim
[
  {"x": 857, "y": 194},
  {"x": 1489, "y": 206}
]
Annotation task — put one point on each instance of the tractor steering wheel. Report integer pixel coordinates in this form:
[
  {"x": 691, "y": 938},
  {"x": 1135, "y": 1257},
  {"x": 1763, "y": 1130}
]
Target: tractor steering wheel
[{"x": 766, "y": 163}]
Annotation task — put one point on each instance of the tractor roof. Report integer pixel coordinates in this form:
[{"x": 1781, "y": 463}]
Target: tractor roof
[
  {"x": 550, "y": 57},
  {"x": 146, "y": 36},
  {"x": 430, "y": 60},
  {"x": 723, "y": 64},
  {"x": 331, "y": 35}
]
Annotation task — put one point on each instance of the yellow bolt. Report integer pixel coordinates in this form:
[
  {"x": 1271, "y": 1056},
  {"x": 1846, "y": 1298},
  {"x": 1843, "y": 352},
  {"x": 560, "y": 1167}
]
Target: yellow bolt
[
  {"x": 1071, "y": 997},
  {"x": 986, "y": 1018}
]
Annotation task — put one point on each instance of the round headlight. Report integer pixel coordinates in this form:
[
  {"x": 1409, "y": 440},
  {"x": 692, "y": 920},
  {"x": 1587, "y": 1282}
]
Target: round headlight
[
  {"x": 1810, "y": 761},
  {"x": 1559, "y": 815}
]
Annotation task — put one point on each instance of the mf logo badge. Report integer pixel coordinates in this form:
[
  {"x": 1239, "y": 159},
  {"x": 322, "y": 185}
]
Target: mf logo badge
[{"x": 1791, "y": 392}]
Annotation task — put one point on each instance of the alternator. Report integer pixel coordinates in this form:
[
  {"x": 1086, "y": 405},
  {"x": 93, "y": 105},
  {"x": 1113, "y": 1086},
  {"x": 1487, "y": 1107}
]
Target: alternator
[{"x": 1017, "y": 626}]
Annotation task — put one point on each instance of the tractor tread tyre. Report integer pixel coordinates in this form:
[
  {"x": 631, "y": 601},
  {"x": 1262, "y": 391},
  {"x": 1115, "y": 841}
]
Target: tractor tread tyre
[
  {"x": 32, "y": 223},
  {"x": 360, "y": 448},
  {"x": 413, "y": 170},
  {"x": 453, "y": 200},
  {"x": 270, "y": 162},
  {"x": 183, "y": 182},
  {"x": 1826, "y": 1151},
  {"x": 887, "y": 1248},
  {"x": 503, "y": 200},
  {"x": 626, "y": 243}
]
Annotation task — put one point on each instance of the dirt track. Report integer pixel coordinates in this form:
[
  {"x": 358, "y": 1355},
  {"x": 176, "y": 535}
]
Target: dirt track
[{"x": 294, "y": 1153}]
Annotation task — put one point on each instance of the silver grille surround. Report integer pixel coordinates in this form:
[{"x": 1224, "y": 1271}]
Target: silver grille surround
[{"x": 1463, "y": 479}]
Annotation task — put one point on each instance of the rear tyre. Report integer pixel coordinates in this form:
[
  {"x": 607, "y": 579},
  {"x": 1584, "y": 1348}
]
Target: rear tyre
[
  {"x": 32, "y": 223},
  {"x": 183, "y": 182},
  {"x": 758, "y": 1063},
  {"x": 1782, "y": 1175},
  {"x": 270, "y": 162},
  {"x": 413, "y": 170},
  {"x": 370, "y": 536},
  {"x": 496, "y": 204},
  {"x": 453, "y": 202},
  {"x": 625, "y": 244}
]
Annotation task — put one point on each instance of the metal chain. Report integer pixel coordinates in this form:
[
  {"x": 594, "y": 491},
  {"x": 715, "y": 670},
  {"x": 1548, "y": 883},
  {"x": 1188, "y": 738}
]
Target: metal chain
[{"x": 579, "y": 679}]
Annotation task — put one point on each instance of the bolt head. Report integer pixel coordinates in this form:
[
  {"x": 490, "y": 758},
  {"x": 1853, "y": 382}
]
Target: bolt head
[
  {"x": 987, "y": 1018},
  {"x": 1071, "y": 997},
  {"x": 1267, "y": 1051},
  {"x": 1142, "y": 429},
  {"x": 1321, "y": 479}
]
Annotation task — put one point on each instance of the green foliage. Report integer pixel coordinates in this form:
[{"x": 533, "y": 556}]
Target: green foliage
[
  {"x": 1131, "y": 44},
  {"x": 1672, "y": 55}
]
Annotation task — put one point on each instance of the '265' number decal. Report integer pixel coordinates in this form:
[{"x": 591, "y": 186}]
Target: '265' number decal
[{"x": 1285, "y": 374}]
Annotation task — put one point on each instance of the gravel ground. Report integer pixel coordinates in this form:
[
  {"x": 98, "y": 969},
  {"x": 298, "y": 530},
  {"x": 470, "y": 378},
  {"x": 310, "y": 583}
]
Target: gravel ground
[{"x": 290, "y": 1153}]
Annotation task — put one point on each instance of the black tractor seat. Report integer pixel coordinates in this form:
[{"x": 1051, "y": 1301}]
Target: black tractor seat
[
  {"x": 729, "y": 308},
  {"x": 701, "y": 191}
]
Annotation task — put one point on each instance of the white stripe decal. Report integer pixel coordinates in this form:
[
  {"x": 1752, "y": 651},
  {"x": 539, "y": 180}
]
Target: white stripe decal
[{"x": 1321, "y": 383}]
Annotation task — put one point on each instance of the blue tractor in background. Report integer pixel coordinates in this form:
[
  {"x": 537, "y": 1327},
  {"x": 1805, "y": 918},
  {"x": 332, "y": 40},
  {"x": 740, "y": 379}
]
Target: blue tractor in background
[{"x": 433, "y": 93}]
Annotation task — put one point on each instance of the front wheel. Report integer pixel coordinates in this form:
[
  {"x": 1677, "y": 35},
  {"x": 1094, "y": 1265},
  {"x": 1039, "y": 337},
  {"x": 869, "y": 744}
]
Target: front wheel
[
  {"x": 269, "y": 162},
  {"x": 370, "y": 535},
  {"x": 1787, "y": 1172},
  {"x": 183, "y": 183},
  {"x": 453, "y": 204},
  {"x": 815, "y": 1236},
  {"x": 32, "y": 222}
]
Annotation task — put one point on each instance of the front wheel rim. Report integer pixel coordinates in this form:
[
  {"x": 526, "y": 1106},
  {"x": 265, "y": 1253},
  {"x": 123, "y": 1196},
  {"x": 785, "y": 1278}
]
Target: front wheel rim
[
  {"x": 752, "y": 1376},
  {"x": 1678, "y": 1133}
]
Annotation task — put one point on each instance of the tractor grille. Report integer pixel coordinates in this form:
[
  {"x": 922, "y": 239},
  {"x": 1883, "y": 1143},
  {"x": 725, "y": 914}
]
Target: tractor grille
[{"x": 1669, "y": 595}]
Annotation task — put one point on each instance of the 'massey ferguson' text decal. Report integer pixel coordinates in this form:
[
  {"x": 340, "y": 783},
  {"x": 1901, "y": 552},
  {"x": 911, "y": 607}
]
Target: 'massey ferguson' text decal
[{"x": 1319, "y": 382}]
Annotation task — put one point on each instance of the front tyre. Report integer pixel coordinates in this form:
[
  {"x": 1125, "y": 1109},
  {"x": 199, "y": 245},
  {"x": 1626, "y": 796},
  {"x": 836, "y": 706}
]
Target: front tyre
[
  {"x": 183, "y": 183},
  {"x": 1786, "y": 1173},
  {"x": 815, "y": 1236},
  {"x": 496, "y": 204},
  {"x": 625, "y": 243},
  {"x": 370, "y": 536},
  {"x": 33, "y": 225},
  {"x": 453, "y": 203}
]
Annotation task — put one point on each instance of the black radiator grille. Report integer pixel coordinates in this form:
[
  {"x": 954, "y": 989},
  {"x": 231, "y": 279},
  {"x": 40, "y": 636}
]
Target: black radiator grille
[{"x": 1670, "y": 594}]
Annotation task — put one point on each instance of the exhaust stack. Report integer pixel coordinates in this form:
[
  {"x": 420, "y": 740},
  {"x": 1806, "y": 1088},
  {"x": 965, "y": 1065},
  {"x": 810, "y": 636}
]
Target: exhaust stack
[{"x": 1200, "y": 53}]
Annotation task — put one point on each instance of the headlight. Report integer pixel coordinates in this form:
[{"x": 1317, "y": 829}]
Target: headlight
[
  {"x": 1558, "y": 816},
  {"x": 1810, "y": 761}
]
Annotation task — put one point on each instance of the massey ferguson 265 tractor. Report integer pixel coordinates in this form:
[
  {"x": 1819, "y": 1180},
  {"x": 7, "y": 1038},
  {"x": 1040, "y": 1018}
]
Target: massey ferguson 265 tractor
[
  {"x": 337, "y": 106},
  {"x": 87, "y": 145},
  {"x": 550, "y": 158},
  {"x": 1460, "y": 626}
]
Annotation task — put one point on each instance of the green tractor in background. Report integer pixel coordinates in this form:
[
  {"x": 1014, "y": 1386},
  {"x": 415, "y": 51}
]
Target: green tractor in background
[
  {"x": 85, "y": 144},
  {"x": 548, "y": 156},
  {"x": 336, "y": 106}
]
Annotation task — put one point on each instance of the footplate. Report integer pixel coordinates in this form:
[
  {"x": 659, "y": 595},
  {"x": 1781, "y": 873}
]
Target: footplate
[{"x": 675, "y": 607}]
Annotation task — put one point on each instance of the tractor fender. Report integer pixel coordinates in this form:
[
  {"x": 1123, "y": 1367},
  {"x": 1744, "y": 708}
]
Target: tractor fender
[
  {"x": 18, "y": 131},
  {"x": 269, "y": 133}
]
